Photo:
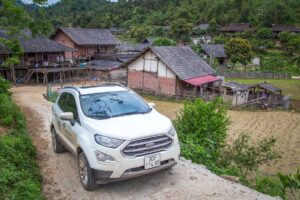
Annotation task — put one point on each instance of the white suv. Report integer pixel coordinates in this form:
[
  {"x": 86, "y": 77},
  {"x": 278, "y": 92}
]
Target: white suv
[{"x": 113, "y": 132}]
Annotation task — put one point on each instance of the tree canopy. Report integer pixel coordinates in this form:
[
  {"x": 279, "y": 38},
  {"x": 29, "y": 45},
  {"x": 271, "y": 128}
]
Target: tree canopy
[
  {"x": 238, "y": 50},
  {"x": 126, "y": 13}
]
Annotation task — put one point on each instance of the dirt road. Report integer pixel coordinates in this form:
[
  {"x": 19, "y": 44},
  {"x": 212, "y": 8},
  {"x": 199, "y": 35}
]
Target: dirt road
[{"x": 60, "y": 177}]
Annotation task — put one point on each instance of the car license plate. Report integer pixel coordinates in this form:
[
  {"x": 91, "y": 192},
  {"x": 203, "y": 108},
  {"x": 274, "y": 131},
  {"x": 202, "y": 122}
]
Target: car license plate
[{"x": 152, "y": 161}]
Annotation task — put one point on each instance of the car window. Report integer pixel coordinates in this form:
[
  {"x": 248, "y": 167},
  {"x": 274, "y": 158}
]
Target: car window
[
  {"x": 62, "y": 102},
  {"x": 67, "y": 103},
  {"x": 113, "y": 104},
  {"x": 71, "y": 106}
]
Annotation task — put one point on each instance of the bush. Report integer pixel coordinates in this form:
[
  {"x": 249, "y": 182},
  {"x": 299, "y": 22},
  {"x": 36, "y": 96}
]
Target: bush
[
  {"x": 4, "y": 86},
  {"x": 201, "y": 128},
  {"x": 291, "y": 182},
  {"x": 11, "y": 115},
  {"x": 160, "y": 41},
  {"x": 248, "y": 157},
  {"x": 19, "y": 173},
  {"x": 269, "y": 185}
]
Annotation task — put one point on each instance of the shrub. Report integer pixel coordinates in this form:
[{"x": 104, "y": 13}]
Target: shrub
[
  {"x": 19, "y": 173},
  {"x": 248, "y": 157},
  {"x": 160, "y": 41},
  {"x": 10, "y": 113},
  {"x": 201, "y": 128},
  {"x": 291, "y": 182},
  {"x": 264, "y": 33},
  {"x": 4, "y": 86},
  {"x": 269, "y": 185}
]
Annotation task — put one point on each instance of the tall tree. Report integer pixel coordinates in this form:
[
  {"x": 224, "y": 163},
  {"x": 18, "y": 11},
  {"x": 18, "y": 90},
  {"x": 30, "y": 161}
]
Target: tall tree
[
  {"x": 238, "y": 50},
  {"x": 14, "y": 19}
]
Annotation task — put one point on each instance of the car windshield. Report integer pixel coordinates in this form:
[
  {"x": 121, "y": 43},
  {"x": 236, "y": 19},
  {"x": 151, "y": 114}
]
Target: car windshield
[{"x": 112, "y": 104}]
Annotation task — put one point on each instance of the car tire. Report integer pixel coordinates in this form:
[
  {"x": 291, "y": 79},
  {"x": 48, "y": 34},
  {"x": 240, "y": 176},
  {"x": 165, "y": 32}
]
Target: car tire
[
  {"x": 85, "y": 173},
  {"x": 56, "y": 144}
]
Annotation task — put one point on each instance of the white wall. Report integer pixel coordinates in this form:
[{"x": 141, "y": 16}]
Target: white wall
[
  {"x": 149, "y": 62},
  {"x": 240, "y": 98}
]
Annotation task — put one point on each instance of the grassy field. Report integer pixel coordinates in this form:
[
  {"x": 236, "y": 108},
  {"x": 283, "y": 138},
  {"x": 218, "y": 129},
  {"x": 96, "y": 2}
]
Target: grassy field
[{"x": 289, "y": 87}]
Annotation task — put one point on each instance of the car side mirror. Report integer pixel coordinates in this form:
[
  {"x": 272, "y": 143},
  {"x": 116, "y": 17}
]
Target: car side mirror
[
  {"x": 152, "y": 105},
  {"x": 68, "y": 116}
]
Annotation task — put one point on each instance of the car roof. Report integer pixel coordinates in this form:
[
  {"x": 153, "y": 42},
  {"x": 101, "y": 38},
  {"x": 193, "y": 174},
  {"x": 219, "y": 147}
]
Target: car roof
[{"x": 97, "y": 89}]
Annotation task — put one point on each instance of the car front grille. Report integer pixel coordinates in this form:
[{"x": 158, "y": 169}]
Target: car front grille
[{"x": 147, "y": 146}]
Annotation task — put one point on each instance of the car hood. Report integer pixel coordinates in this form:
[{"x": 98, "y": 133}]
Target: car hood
[{"x": 131, "y": 126}]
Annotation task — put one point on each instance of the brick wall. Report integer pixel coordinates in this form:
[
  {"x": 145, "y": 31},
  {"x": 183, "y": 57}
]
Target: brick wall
[
  {"x": 65, "y": 40},
  {"x": 150, "y": 81},
  {"x": 62, "y": 38}
]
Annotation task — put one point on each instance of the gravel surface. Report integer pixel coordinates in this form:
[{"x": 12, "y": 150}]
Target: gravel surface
[{"x": 60, "y": 173}]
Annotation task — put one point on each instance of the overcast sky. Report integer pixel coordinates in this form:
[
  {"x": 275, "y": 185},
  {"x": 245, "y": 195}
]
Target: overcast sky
[{"x": 49, "y": 1}]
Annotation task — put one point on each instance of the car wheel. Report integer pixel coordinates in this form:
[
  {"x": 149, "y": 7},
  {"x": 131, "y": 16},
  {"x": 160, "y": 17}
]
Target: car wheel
[
  {"x": 56, "y": 144},
  {"x": 85, "y": 173}
]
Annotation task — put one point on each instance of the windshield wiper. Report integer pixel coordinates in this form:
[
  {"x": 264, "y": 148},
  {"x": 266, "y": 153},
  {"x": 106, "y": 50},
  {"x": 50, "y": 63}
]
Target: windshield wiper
[
  {"x": 99, "y": 116},
  {"x": 132, "y": 113}
]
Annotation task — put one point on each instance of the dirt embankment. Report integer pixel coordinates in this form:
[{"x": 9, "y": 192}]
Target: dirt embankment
[{"x": 60, "y": 173}]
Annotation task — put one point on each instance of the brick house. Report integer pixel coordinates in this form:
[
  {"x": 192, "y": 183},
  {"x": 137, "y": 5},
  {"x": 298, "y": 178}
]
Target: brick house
[
  {"x": 170, "y": 70},
  {"x": 87, "y": 41}
]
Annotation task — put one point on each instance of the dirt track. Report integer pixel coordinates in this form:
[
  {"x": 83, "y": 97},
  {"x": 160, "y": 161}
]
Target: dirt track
[{"x": 61, "y": 181}]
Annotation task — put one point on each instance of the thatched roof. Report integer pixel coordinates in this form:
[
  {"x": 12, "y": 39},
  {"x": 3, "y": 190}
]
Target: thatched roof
[
  {"x": 284, "y": 27},
  {"x": 217, "y": 50},
  {"x": 84, "y": 36},
  {"x": 182, "y": 60},
  {"x": 236, "y": 27},
  {"x": 36, "y": 44}
]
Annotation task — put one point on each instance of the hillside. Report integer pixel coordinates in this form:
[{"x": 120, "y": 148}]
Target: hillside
[{"x": 126, "y": 13}]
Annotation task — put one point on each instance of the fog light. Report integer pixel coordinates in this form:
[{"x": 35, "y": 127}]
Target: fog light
[{"x": 102, "y": 157}]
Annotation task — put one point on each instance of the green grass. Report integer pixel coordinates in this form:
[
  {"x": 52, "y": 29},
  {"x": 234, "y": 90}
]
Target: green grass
[
  {"x": 288, "y": 86},
  {"x": 20, "y": 176}
]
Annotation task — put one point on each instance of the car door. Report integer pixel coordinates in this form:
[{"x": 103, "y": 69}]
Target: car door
[
  {"x": 63, "y": 126},
  {"x": 70, "y": 129}
]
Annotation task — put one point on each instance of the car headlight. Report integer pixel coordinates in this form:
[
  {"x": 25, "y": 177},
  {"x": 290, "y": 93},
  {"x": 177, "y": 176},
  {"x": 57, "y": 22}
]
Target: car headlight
[
  {"x": 172, "y": 131},
  {"x": 108, "y": 142}
]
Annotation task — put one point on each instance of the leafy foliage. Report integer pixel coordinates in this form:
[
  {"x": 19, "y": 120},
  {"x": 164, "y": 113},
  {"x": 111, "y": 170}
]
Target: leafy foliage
[
  {"x": 4, "y": 86},
  {"x": 14, "y": 19},
  {"x": 248, "y": 157},
  {"x": 159, "y": 41},
  {"x": 238, "y": 50},
  {"x": 19, "y": 173},
  {"x": 290, "y": 42},
  {"x": 105, "y": 14},
  {"x": 269, "y": 185},
  {"x": 201, "y": 128},
  {"x": 291, "y": 182},
  {"x": 180, "y": 29}
]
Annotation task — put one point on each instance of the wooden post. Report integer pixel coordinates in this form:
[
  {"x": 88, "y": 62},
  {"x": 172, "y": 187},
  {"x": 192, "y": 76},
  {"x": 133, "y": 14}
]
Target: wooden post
[{"x": 37, "y": 77}]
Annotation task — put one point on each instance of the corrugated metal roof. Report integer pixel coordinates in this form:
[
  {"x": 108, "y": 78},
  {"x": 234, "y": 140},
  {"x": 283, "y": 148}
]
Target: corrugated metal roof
[{"x": 202, "y": 80}]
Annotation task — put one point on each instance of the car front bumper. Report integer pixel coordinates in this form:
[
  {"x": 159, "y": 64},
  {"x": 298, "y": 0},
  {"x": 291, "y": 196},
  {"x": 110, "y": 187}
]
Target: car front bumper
[{"x": 126, "y": 168}]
